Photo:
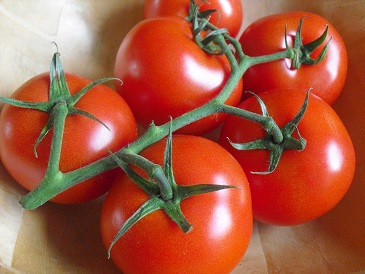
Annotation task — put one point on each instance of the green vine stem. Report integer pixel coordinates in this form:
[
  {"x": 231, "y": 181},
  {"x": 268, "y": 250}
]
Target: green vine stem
[
  {"x": 154, "y": 133},
  {"x": 171, "y": 205},
  {"x": 154, "y": 172},
  {"x": 56, "y": 181}
]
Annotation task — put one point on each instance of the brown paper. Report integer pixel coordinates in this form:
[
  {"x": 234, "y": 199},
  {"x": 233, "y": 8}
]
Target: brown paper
[{"x": 66, "y": 239}]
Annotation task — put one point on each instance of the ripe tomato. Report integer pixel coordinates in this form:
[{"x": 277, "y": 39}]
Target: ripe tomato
[
  {"x": 306, "y": 184},
  {"x": 267, "y": 35},
  {"x": 222, "y": 220},
  {"x": 85, "y": 140},
  {"x": 165, "y": 73},
  {"x": 229, "y": 13}
]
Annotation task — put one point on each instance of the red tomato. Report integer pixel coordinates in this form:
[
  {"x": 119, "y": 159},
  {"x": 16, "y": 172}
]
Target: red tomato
[
  {"x": 222, "y": 220},
  {"x": 267, "y": 35},
  {"x": 85, "y": 140},
  {"x": 306, "y": 184},
  {"x": 165, "y": 73},
  {"x": 229, "y": 13}
]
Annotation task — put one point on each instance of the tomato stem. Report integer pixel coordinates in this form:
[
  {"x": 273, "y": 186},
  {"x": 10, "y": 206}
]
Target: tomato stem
[
  {"x": 155, "y": 133},
  {"x": 51, "y": 184},
  {"x": 303, "y": 52},
  {"x": 277, "y": 148},
  {"x": 59, "y": 113},
  {"x": 252, "y": 61},
  {"x": 153, "y": 170},
  {"x": 61, "y": 104},
  {"x": 170, "y": 205},
  {"x": 218, "y": 42},
  {"x": 266, "y": 122}
]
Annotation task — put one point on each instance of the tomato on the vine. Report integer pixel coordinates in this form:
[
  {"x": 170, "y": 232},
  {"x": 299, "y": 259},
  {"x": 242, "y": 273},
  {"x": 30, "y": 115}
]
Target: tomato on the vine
[
  {"x": 166, "y": 74},
  {"x": 84, "y": 140},
  {"x": 221, "y": 220},
  {"x": 229, "y": 13},
  {"x": 306, "y": 184},
  {"x": 267, "y": 35}
]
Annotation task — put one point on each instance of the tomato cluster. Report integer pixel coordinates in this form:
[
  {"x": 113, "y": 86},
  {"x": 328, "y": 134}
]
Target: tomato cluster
[{"x": 167, "y": 75}]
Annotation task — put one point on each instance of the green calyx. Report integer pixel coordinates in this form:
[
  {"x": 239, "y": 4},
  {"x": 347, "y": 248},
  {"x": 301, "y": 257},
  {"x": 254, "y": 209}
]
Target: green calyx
[
  {"x": 195, "y": 13},
  {"x": 302, "y": 53},
  {"x": 60, "y": 104},
  {"x": 200, "y": 22},
  {"x": 165, "y": 194},
  {"x": 277, "y": 148},
  {"x": 213, "y": 41},
  {"x": 59, "y": 94}
]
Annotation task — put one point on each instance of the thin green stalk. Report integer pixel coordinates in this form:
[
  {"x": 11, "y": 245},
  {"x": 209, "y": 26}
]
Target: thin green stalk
[
  {"x": 154, "y": 133},
  {"x": 153, "y": 170},
  {"x": 266, "y": 122},
  {"x": 288, "y": 53},
  {"x": 51, "y": 184},
  {"x": 60, "y": 112}
]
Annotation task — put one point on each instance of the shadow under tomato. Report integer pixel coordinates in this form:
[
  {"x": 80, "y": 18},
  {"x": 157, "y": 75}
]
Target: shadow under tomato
[
  {"x": 345, "y": 224},
  {"x": 62, "y": 239}
]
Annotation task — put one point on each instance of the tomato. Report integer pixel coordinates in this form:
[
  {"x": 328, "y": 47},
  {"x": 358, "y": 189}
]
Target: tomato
[
  {"x": 229, "y": 13},
  {"x": 306, "y": 184},
  {"x": 222, "y": 220},
  {"x": 85, "y": 140},
  {"x": 165, "y": 73},
  {"x": 267, "y": 35}
]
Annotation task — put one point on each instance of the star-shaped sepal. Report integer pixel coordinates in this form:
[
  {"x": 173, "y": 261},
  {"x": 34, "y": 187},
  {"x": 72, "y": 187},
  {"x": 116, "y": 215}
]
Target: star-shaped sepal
[
  {"x": 60, "y": 99},
  {"x": 277, "y": 148},
  {"x": 165, "y": 194}
]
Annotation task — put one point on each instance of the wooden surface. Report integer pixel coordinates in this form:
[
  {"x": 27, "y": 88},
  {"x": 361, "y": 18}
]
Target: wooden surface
[{"x": 65, "y": 239}]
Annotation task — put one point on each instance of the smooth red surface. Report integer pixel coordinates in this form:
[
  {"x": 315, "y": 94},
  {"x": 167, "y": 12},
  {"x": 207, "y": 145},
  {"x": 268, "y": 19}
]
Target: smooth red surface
[
  {"x": 165, "y": 73},
  {"x": 84, "y": 140},
  {"x": 306, "y": 184},
  {"x": 222, "y": 220},
  {"x": 267, "y": 35}
]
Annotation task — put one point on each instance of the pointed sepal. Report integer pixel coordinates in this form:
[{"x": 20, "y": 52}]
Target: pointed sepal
[
  {"x": 185, "y": 192},
  {"x": 44, "y": 132},
  {"x": 41, "y": 106},
  {"x": 303, "y": 52},
  {"x": 173, "y": 210},
  {"x": 148, "y": 186},
  {"x": 151, "y": 205},
  {"x": 276, "y": 149},
  {"x": 78, "y": 95},
  {"x": 73, "y": 111},
  {"x": 58, "y": 85}
]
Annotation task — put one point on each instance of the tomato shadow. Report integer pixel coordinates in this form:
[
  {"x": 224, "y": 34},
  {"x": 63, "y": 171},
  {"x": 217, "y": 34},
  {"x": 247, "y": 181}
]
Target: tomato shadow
[
  {"x": 334, "y": 243},
  {"x": 345, "y": 224},
  {"x": 60, "y": 238},
  {"x": 346, "y": 221},
  {"x": 79, "y": 238},
  {"x": 343, "y": 228}
]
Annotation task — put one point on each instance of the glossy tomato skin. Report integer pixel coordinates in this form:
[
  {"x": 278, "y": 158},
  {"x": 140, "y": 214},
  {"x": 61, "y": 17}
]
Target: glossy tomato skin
[
  {"x": 222, "y": 220},
  {"x": 306, "y": 184},
  {"x": 230, "y": 15},
  {"x": 165, "y": 73},
  {"x": 267, "y": 35},
  {"x": 84, "y": 140}
]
